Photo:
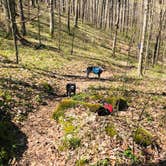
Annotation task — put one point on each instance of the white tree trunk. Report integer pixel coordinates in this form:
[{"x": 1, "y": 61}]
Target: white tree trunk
[{"x": 144, "y": 27}]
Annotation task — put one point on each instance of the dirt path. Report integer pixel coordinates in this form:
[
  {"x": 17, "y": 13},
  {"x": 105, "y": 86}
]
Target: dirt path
[{"x": 42, "y": 131}]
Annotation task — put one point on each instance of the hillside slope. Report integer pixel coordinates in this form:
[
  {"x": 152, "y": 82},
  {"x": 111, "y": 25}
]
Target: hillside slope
[{"x": 31, "y": 90}]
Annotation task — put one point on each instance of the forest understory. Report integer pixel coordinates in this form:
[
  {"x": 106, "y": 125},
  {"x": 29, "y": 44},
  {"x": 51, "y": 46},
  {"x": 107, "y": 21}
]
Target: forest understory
[{"x": 40, "y": 126}]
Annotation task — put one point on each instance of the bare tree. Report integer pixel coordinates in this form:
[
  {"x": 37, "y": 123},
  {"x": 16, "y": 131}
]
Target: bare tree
[
  {"x": 52, "y": 18},
  {"x": 116, "y": 27},
  {"x": 38, "y": 21},
  {"x": 23, "y": 27},
  {"x": 11, "y": 9},
  {"x": 59, "y": 28},
  {"x": 140, "y": 62},
  {"x": 68, "y": 16}
]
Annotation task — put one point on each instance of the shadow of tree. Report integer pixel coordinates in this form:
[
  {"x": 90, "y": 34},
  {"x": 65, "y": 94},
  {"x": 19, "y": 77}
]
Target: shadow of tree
[{"x": 13, "y": 142}]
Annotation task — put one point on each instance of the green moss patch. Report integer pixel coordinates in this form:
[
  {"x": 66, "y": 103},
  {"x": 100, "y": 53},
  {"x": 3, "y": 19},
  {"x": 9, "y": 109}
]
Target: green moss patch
[
  {"x": 91, "y": 107},
  {"x": 111, "y": 130},
  {"x": 143, "y": 137},
  {"x": 62, "y": 106},
  {"x": 69, "y": 103}
]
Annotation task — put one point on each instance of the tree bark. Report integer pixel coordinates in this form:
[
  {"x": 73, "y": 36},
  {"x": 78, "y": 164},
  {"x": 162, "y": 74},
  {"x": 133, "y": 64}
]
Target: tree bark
[
  {"x": 38, "y": 21},
  {"x": 116, "y": 28},
  {"x": 14, "y": 30},
  {"x": 52, "y": 18},
  {"x": 23, "y": 27},
  {"x": 68, "y": 16},
  {"x": 140, "y": 62}
]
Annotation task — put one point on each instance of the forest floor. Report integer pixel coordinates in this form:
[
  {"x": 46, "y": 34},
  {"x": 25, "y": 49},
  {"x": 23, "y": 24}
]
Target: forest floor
[
  {"x": 32, "y": 90},
  {"x": 45, "y": 135}
]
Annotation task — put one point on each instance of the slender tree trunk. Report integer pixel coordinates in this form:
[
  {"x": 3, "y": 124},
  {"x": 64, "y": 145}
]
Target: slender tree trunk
[
  {"x": 68, "y": 16},
  {"x": 59, "y": 30},
  {"x": 52, "y": 18},
  {"x": 76, "y": 14},
  {"x": 39, "y": 28},
  {"x": 12, "y": 20},
  {"x": 158, "y": 38},
  {"x": 72, "y": 44},
  {"x": 116, "y": 28},
  {"x": 140, "y": 63},
  {"x": 151, "y": 10},
  {"x": 7, "y": 17},
  {"x": 29, "y": 7},
  {"x": 23, "y": 27}
]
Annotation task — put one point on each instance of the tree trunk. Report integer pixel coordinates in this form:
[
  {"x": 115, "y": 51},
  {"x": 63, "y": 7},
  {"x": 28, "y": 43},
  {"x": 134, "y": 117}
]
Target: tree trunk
[
  {"x": 38, "y": 21},
  {"x": 23, "y": 27},
  {"x": 68, "y": 16},
  {"x": 116, "y": 28},
  {"x": 52, "y": 18},
  {"x": 151, "y": 10},
  {"x": 7, "y": 16},
  {"x": 59, "y": 29},
  {"x": 12, "y": 20},
  {"x": 140, "y": 62},
  {"x": 76, "y": 14},
  {"x": 158, "y": 38}
]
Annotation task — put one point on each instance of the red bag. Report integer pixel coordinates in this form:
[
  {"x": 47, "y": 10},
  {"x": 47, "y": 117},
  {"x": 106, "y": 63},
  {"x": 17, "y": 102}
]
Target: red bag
[{"x": 108, "y": 107}]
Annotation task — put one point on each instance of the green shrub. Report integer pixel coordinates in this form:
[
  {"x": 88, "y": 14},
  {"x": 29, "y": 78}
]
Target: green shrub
[
  {"x": 143, "y": 137},
  {"x": 111, "y": 130}
]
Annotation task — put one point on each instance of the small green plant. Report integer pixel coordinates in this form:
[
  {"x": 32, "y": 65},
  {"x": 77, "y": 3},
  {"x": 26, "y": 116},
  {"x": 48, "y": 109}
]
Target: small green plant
[
  {"x": 82, "y": 162},
  {"x": 143, "y": 137},
  {"x": 38, "y": 99},
  {"x": 3, "y": 156},
  {"x": 47, "y": 87},
  {"x": 70, "y": 142},
  {"x": 128, "y": 153},
  {"x": 74, "y": 142},
  {"x": 103, "y": 162},
  {"x": 111, "y": 130},
  {"x": 148, "y": 116},
  {"x": 68, "y": 127},
  {"x": 7, "y": 96}
]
